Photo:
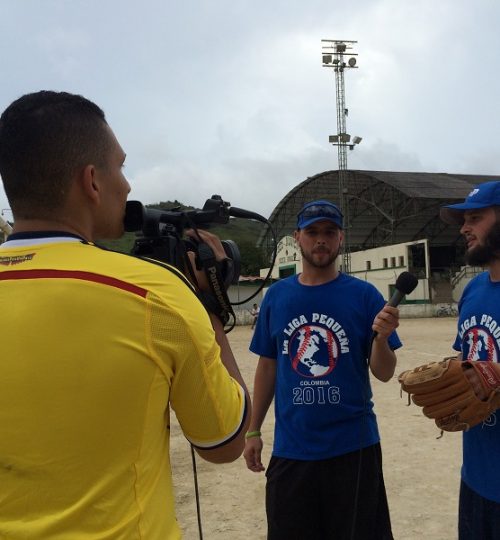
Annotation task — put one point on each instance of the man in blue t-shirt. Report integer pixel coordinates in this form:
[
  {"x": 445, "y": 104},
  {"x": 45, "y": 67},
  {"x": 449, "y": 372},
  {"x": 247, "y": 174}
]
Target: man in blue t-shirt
[
  {"x": 478, "y": 340},
  {"x": 316, "y": 335}
]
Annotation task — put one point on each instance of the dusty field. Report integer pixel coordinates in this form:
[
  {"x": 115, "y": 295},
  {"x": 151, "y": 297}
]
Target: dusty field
[{"x": 421, "y": 471}]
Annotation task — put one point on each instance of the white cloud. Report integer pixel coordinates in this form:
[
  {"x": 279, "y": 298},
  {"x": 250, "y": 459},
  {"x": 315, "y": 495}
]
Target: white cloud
[
  {"x": 62, "y": 50},
  {"x": 231, "y": 97}
]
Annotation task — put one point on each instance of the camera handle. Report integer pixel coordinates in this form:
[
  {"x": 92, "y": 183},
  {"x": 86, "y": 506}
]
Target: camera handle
[{"x": 216, "y": 301}]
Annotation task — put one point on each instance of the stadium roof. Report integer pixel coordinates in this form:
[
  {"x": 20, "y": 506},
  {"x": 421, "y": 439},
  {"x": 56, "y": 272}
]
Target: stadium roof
[{"x": 385, "y": 207}]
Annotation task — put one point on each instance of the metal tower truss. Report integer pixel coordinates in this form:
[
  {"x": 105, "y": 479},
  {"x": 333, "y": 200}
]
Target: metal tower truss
[{"x": 334, "y": 52}]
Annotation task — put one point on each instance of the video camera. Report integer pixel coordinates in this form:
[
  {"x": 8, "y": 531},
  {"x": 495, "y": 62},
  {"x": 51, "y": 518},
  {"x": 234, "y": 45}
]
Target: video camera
[
  {"x": 162, "y": 239},
  {"x": 162, "y": 233}
]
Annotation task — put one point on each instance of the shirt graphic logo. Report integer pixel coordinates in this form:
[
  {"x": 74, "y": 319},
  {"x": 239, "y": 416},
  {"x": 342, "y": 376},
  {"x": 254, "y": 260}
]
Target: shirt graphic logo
[
  {"x": 313, "y": 350},
  {"x": 479, "y": 344},
  {"x": 17, "y": 259}
]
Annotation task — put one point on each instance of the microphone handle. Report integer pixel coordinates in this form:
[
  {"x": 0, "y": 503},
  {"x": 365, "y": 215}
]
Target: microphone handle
[
  {"x": 394, "y": 301},
  {"x": 396, "y": 298}
]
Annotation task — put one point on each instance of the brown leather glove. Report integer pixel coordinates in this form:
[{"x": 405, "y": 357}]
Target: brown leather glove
[{"x": 447, "y": 396}]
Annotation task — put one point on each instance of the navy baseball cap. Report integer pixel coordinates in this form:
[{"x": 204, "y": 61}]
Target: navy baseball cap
[
  {"x": 318, "y": 210},
  {"x": 482, "y": 196}
]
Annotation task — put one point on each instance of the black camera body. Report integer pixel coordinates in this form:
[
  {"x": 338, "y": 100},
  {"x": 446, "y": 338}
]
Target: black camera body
[
  {"x": 163, "y": 240},
  {"x": 162, "y": 234}
]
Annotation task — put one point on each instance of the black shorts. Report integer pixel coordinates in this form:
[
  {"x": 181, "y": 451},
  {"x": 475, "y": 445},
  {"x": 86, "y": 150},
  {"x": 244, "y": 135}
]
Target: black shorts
[
  {"x": 341, "y": 498},
  {"x": 477, "y": 517}
]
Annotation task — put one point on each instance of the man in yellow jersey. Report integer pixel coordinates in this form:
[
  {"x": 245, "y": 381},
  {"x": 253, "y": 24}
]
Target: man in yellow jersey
[{"x": 96, "y": 346}]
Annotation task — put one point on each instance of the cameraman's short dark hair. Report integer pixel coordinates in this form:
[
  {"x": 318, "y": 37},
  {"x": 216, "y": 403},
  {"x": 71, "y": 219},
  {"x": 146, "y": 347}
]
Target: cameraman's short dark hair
[{"x": 45, "y": 138}]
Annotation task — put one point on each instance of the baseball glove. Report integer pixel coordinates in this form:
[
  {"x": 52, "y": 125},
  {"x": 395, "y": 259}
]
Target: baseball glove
[{"x": 446, "y": 394}]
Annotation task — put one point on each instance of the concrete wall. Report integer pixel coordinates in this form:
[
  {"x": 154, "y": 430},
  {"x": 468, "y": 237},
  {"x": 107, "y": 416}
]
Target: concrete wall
[
  {"x": 240, "y": 292},
  {"x": 5, "y": 229},
  {"x": 288, "y": 259},
  {"x": 406, "y": 311},
  {"x": 381, "y": 267},
  {"x": 462, "y": 278},
  {"x": 416, "y": 311}
]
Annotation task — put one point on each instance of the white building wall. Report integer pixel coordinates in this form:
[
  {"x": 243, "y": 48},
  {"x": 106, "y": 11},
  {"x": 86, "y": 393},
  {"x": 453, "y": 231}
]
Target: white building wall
[
  {"x": 380, "y": 266},
  {"x": 5, "y": 229},
  {"x": 288, "y": 259}
]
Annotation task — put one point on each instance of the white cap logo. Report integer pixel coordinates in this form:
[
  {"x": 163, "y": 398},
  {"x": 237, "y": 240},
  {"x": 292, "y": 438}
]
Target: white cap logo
[{"x": 473, "y": 192}]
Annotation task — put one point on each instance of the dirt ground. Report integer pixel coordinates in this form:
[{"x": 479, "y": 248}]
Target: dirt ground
[{"x": 421, "y": 471}]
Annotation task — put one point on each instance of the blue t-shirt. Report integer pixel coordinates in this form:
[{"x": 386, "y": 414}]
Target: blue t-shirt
[
  {"x": 320, "y": 337},
  {"x": 479, "y": 339}
]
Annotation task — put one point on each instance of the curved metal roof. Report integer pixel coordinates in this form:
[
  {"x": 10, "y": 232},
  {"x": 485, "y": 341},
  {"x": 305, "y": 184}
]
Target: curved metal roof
[{"x": 385, "y": 207}]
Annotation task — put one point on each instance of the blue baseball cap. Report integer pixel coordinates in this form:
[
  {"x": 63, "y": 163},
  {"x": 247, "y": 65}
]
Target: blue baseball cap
[
  {"x": 482, "y": 196},
  {"x": 318, "y": 210}
]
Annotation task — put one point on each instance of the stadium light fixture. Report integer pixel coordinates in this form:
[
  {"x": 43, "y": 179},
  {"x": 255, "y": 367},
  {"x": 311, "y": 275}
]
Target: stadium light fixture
[{"x": 344, "y": 139}]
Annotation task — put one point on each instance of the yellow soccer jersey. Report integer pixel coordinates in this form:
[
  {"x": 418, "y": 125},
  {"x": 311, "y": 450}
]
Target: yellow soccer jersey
[{"x": 95, "y": 346}]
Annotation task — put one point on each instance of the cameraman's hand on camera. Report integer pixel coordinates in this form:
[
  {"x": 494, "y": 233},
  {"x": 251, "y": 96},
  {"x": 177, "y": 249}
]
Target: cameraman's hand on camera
[{"x": 215, "y": 244}]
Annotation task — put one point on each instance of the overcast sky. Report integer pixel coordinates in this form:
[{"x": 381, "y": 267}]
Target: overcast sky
[{"x": 230, "y": 96}]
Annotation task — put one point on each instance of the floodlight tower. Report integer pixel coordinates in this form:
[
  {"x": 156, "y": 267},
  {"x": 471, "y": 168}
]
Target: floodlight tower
[{"x": 333, "y": 51}]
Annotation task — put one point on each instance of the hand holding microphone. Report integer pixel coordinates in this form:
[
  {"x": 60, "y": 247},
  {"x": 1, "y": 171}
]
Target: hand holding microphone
[
  {"x": 381, "y": 357},
  {"x": 388, "y": 319}
]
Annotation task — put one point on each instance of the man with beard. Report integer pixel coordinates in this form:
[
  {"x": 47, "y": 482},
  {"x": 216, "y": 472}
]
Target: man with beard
[
  {"x": 478, "y": 339},
  {"x": 316, "y": 335}
]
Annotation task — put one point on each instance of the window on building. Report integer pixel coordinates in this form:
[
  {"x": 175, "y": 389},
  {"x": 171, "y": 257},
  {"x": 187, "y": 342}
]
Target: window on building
[
  {"x": 385, "y": 263},
  {"x": 286, "y": 271},
  {"x": 417, "y": 259},
  {"x": 393, "y": 262},
  {"x": 368, "y": 265},
  {"x": 401, "y": 260}
]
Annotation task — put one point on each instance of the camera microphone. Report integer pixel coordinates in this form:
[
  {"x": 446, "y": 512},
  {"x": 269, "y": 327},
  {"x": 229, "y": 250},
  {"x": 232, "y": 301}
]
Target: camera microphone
[{"x": 246, "y": 214}]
